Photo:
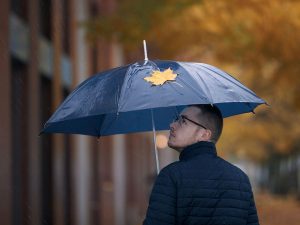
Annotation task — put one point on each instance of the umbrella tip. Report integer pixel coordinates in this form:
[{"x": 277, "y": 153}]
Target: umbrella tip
[{"x": 145, "y": 50}]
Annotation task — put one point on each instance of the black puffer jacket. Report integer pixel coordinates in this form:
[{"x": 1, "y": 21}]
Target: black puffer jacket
[{"x": 201, "y": 189}]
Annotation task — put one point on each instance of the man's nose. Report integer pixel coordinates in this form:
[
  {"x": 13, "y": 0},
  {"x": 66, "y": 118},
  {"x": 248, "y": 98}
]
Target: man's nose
[{"x": 172, "y": 125}]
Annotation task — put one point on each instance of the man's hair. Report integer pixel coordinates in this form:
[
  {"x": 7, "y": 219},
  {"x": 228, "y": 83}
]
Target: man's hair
[{"x": 212, "y": 118}]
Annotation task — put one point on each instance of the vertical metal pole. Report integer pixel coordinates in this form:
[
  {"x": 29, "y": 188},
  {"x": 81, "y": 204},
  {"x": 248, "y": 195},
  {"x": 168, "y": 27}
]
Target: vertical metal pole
[{"x": 154, "y": 139}]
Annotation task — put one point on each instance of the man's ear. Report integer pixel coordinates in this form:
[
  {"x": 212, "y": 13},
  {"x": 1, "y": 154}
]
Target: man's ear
[{"x": 206, "y": 135}]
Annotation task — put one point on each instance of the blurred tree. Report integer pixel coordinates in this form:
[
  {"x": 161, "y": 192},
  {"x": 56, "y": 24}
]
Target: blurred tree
[{"x": 256, "y": 41}]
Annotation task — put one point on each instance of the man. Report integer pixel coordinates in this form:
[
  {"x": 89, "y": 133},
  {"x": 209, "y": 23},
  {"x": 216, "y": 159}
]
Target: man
[{"x": 201, "y": 188}]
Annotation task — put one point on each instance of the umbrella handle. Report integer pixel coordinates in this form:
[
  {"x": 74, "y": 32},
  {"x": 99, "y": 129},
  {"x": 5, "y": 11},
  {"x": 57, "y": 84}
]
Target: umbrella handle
[{"x": 154, "y": 140}]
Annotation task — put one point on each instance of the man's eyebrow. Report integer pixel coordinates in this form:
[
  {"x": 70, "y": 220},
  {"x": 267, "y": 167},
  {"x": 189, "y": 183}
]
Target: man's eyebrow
[{"x": 185, "y": 116}]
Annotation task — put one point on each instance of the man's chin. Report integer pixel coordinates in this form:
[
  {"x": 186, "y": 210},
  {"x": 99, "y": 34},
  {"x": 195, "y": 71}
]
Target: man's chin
[{"x": 176, "y": 148}]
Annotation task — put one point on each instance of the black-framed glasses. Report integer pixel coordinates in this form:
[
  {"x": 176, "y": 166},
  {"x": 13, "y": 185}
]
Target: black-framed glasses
[{"x": 180, "y": 119}]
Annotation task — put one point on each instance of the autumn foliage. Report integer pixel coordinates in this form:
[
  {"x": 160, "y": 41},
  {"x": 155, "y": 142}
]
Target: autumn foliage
[{"x": 255, "y": 41}]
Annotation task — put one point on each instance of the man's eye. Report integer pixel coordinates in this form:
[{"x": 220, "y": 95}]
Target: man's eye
[{"x": 183, "y": 120}]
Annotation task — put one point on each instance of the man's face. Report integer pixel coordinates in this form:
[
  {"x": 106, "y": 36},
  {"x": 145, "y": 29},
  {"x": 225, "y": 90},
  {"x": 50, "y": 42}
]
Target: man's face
[{"x": 184, "y": 132}]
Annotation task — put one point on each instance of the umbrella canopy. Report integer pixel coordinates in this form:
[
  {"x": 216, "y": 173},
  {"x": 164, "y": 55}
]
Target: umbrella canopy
[{"x": 136, "y": 97}]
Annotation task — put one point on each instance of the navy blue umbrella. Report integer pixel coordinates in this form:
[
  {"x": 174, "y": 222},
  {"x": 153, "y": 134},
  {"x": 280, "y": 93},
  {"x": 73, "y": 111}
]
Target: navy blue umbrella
[{"x": 120, "y": 100}]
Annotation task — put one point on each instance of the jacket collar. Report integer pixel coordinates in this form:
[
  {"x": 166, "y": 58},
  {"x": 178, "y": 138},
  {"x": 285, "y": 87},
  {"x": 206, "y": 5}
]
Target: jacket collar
[{"x": 197, "y": 149}]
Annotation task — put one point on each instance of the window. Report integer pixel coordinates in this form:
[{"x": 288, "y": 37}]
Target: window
[
  {"x": 45, "y": 18},
  {"x": 20, "y": 8}
]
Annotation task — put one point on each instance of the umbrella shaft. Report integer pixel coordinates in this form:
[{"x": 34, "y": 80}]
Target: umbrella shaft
[{"x": 154, "y": 140}]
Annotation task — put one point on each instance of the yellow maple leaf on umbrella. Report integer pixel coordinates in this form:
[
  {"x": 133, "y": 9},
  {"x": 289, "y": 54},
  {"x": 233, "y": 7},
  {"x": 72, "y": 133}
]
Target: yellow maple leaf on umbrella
[{"x": 159, "y": 78}]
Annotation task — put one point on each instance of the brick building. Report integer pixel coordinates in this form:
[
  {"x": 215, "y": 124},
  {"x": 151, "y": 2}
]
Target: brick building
[{"x": 62, "y": 179}]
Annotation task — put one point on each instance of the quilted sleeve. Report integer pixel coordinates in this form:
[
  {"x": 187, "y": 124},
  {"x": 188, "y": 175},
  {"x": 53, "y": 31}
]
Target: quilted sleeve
[{"x": 162, "y": 203}]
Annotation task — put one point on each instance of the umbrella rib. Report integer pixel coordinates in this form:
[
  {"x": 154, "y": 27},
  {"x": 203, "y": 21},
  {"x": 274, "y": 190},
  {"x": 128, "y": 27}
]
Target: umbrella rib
[
  {"x": 207, "y": 88},
  {"x": 238, "y": 83},
  {"x": 218, "y": 80},
  {"x": 187, "y": 84},
  {"x": 190, "y": 86},
  {"x": 124, "y": 86},
  {"x": 205, "y": 85},
  {"x": 117, "y": 99},
  {"x": 101, "y": 121}
]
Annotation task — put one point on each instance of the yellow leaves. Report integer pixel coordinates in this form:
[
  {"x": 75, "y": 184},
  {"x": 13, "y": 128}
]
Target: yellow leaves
[
  {"x": 258, "y": 43},
  {"x": 159, "y": 78}
]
